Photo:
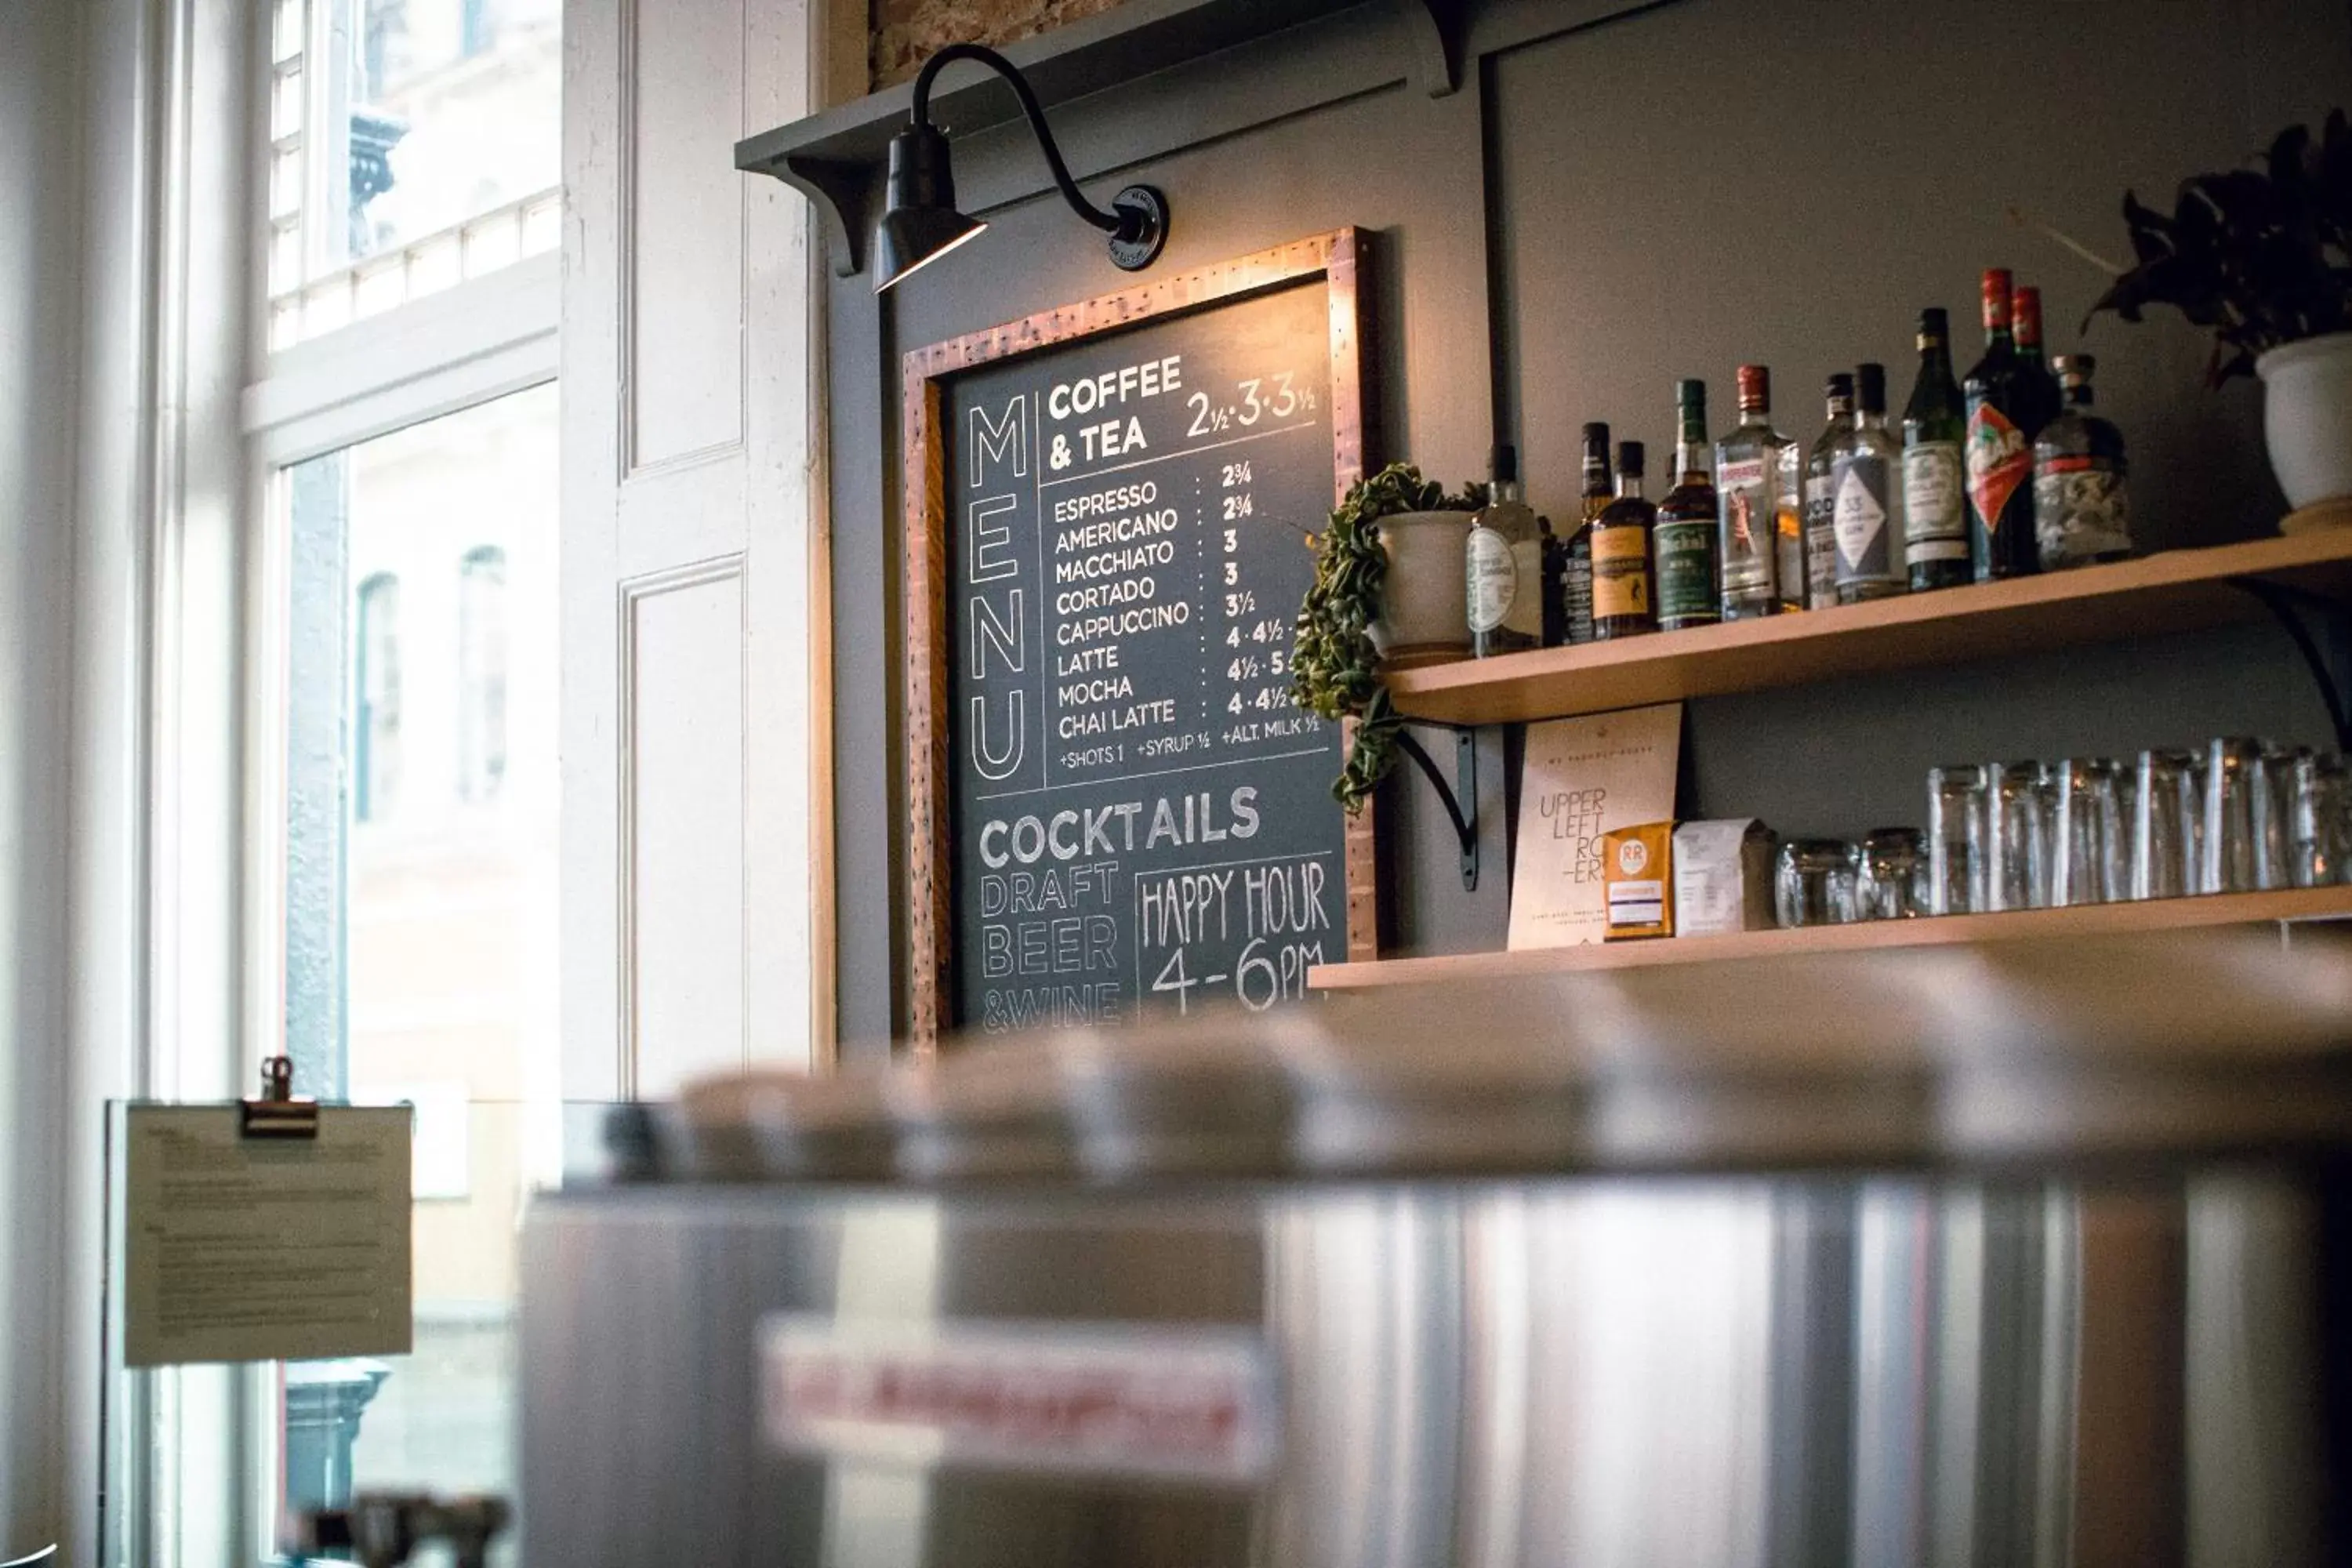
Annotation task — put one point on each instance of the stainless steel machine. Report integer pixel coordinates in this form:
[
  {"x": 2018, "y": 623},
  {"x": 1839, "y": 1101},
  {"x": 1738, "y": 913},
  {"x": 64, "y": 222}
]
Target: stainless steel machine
[{"x": 1970, "y": 1257}]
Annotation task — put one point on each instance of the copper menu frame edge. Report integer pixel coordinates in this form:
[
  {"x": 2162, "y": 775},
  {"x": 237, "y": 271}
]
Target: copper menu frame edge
[{"x": 1338, "y": 256}]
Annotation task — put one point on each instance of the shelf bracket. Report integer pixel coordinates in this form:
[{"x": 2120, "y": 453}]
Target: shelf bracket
[
  {"x": 1460, "y": 800},
  {"x": 842, "y": 193},
  {"x": 1437, "y": 29},
  {"x": 2283, "y": 602}
]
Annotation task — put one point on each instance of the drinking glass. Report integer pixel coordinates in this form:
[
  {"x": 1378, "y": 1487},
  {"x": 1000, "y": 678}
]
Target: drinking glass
[
  {"x": 2164, "y": 826},
  {"x": 2318, "y": 823},
  {"x": 2233, "y": 770},
  {"x": 1891, "y": 881},
  {"x": 2087, "y": 848},
  {"x": 2273, "y": 815},
  {"x": 1956, "y": 830},
  {"x": 1813, "y": 884},
  {"x": 2017, "y": 864}
]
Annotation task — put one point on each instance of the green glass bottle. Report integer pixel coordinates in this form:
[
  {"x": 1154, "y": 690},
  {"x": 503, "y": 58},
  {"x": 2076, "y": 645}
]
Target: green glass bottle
[
  {"x": 1935, "y": 498},
  {"x": 1689, "y": 580}
]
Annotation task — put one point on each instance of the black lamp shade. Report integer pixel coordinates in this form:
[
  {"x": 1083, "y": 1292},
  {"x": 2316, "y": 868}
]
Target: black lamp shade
[
  {"x": 920, "y": 221},
  {"x": 907, "y": 237}
]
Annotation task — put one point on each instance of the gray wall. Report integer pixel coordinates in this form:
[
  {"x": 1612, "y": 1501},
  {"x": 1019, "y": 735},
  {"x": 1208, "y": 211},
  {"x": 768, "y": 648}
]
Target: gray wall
[
  {"x": 1669, "y": 190},
  {"x": 39, "y": 320}
]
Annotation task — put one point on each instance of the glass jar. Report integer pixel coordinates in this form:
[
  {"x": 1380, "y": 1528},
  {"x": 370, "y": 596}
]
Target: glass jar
[
  {"x": 1891, "y": 879},
  {"x": 1813, "y": 882}
]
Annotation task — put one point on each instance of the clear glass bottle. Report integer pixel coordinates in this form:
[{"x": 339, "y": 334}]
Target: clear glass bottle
[
  {"x": 1684, "y": 538},
  {"x": 1748, "y": 475},
  {"x": 1861, "y": 497},
  {"x": 1935, "y": 498},
  {"x": 1505, "y": 567},
  {"x": 1820, "y": 494},
  {"x": 1623, "y": 604},
  {"x": 2082, "y": 510},
  {"x": 1576, "y": 551}
]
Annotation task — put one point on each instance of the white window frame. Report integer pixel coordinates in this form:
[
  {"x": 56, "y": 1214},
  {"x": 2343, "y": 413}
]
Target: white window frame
[{"x": 477, "y": 341}]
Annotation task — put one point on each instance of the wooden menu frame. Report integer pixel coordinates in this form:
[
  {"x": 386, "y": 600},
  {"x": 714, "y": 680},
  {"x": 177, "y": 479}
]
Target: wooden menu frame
[{"x": 1338, "y": 257}]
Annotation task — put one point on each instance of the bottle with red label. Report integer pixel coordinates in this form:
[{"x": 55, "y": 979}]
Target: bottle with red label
[{"x": 1997, "y": 453}]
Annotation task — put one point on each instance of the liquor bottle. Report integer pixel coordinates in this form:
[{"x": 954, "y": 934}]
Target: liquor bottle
[
  {"x": 1505, "y": 562},
  {"x": 2081, "y": 510},
  {"x": 1821, "y": 495},
  {"x": 2000, "y": 460},
  {"x": 2025, "y": 319},
  {"x": 1935, "y": 507},
  {"x": 1576, "y": 553},
  {"x": 1748, "y": 475},
  {"x": 1861, "y": 496},
  {"x": 1555, "y": 602},
  {"x": 1789, "y": 525},
  {"x": 1623, "y": 605},
  {"x": 1684, "y": 535}
]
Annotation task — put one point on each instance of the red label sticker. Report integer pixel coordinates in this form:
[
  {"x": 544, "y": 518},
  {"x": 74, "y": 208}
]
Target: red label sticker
[
  {"x": 1997, "y": 462},
  {"x": 1102, "y": 1399}
]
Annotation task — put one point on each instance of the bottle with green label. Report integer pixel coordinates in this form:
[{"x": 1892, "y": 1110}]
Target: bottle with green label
[
  {"x": 1935, "y": 496},
  {"x": 1861, "y": 496},
  {"x": 1688, "y": 577}
]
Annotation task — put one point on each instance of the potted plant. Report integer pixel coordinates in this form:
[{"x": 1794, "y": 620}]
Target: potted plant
[
  {"x": 1389, "y": 587},
  {"x": 2263, "y": 257}
]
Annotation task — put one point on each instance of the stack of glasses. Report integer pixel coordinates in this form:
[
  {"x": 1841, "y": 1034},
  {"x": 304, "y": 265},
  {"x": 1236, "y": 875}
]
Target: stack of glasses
[{"x": 2241, "y": 816}]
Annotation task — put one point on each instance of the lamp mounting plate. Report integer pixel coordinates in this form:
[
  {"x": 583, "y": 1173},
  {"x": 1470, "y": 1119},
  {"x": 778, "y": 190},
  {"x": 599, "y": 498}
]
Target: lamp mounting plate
[{"x": 1138, "y": 245}]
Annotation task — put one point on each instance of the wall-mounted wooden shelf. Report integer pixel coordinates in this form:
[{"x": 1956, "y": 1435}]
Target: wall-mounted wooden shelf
[
  {"x": 2024, "y": 925},
  {"x": 2180, "y": 590}
]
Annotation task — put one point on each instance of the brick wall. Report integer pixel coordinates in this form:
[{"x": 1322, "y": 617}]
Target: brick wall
[{"x": 904, "y": 32}]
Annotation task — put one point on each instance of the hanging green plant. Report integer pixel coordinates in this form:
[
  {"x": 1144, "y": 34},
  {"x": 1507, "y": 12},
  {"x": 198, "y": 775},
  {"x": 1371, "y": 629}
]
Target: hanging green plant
[{"x": 1334, "y": 667}]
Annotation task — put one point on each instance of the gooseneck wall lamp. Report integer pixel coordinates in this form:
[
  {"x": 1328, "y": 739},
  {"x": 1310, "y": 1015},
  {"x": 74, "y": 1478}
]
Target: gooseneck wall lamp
[{"x": 920, "y": 223}]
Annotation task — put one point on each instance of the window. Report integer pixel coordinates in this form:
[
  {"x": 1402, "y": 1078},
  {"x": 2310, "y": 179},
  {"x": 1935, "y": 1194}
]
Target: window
[
  {"x": 413, "y": 145},
  {"x": 412, "y": 156},
  {"x": 482, "y": 673},
  {"x": 375, "y": 728},
  {"x": 430, "y": 932}
]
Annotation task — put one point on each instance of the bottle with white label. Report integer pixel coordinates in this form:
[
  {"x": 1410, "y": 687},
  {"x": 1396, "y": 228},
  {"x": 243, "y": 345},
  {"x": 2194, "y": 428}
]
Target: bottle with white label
[
  {"x": 1821, "y": 471},
  {"x": 1505, "y": 567},
  {"x": 1934, "y": 494},
  {"x": 1863, "y": 480},
  {"x": 1750, "y": 476}
]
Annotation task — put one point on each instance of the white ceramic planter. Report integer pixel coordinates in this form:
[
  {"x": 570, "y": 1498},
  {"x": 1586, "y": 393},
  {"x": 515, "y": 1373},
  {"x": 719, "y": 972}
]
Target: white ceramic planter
[
  {"x": 2307, "y": 417},
  {"x": 1425, "y": 600}
]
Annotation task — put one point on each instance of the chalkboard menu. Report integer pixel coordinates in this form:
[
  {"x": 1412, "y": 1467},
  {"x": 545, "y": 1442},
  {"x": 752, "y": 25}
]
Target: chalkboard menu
[{"x": 1130, "y": 811}]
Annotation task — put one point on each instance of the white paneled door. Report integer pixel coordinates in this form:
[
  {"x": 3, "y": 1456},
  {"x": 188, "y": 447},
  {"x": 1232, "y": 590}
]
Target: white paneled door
[{"x": 697, "y": 821}]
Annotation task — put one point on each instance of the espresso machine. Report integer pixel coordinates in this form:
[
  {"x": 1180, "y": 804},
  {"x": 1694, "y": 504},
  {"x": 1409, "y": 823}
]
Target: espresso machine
[{"x": 1986, "y": 1254}]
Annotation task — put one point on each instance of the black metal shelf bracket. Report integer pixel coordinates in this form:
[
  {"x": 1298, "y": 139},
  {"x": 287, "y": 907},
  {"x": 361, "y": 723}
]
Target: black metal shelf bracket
[
  {"x": 1460, "y": 799},
  {"x": 2284, "y": 602}
]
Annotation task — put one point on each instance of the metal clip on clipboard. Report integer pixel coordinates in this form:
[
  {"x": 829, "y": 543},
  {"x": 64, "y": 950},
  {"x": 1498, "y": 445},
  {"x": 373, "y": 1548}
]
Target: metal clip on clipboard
[{"x": 278, "y": 1114}]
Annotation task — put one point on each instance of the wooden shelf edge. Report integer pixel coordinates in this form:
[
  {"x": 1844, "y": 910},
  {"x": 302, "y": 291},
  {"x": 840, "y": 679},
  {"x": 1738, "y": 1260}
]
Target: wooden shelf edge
[
  {"x": 2179, "y": 589},
  {"x": 2089, "y": 920}
]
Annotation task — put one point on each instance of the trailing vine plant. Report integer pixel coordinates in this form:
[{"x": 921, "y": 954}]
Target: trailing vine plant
[{"x": 1334, "y": 667}]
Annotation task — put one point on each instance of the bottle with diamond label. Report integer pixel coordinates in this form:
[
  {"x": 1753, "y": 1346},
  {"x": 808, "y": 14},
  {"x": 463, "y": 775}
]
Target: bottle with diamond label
[
  {"x": 2081, "y": 511},
  {"x": 1935, "y": 503},
  {"x": 1747, "y": 477},
  {"x": 1688, "y": 593},
  {"x": 1821, "y": 495},
  {"x": 1505, "y": 567},
  {"x": 1861, "y": 497},
  {"x": 1999, "y": 459},
  {"x": 1623, "y": 605}
]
